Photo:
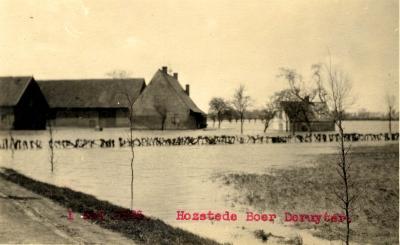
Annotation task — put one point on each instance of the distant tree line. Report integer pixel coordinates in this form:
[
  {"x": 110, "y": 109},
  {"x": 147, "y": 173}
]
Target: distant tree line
[{"x": 363, "y": 114}]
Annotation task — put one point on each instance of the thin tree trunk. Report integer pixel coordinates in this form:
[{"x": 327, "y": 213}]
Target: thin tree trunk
[
  {"x": 163, "y": 123},
  {"x": 345, "y": 179},
  {"x": 130, "y": 118},
  {"x": 219, "y": 117},
  {"x": 133, "y": 156},
  {"x": 132, "y": 183},
  {"x": 241, "y": 124},
  {"x": 390, "y": 122}
]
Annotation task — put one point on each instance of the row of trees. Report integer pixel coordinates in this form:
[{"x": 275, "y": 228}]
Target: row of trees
[
  {"x": 364, "y": 114},
  {"x": 238, "y": 108},
  {"x": 221, "y": 109},
  {"x": 229, "y": 113}
]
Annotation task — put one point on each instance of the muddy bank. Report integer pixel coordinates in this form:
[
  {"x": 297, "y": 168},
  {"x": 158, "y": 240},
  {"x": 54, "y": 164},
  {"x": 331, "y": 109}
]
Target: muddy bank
[
  {"x": 28, "y": 218},
  {"x": 310, "y": 190},
  {"x": 142, "y": 230}
]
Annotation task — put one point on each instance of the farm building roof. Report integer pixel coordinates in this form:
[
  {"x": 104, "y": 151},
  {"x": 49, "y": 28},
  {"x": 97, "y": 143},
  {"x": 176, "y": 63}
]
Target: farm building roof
[
  {"x": 11, "y": 89},
  {"x": 91, "y": 93},
  {"x": 181, "y": 92},
  {"x": 300, "y": 111}
]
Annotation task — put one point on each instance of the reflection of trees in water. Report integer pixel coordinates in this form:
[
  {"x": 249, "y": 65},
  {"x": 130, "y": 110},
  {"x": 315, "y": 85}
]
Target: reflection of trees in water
[
  {"x": 51, "y": 147},
  {"x": 12, "y": 142}
]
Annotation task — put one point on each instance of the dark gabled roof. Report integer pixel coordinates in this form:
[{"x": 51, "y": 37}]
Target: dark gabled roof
[
  {"x": 12, "y": 88},
  {"x": 91, "y": 93},
  {"x": 300, "y": 111},
  {"x": 181, "y": 92}
]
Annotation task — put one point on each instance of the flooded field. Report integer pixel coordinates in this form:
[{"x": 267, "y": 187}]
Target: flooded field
[{"x": 168, "y": 179}]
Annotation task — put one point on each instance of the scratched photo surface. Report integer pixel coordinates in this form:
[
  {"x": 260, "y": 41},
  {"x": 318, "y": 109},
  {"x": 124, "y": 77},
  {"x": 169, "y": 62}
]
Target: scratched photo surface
[{"x": 199, "y": 122}]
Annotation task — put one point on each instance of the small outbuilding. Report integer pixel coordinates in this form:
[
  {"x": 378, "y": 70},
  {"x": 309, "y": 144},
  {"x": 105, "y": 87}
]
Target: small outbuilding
[
  {"x": 164, "y": 104},
  {"x": 91, "y": 102},
  {"x": 303, "y": 116},
  {"x": 22, "y": 104}
]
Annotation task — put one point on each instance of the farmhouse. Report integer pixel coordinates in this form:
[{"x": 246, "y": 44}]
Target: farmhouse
[
  {"x": 164, "y": 104},
  {"x": 22, "y": 104},
  {"x": 297, "y": 116},
  {"x": 91, "y": 102}
]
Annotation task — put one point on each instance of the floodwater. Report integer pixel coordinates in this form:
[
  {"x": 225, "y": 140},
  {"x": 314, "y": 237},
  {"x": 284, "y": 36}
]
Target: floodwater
[{"x": 172, "y": 178}]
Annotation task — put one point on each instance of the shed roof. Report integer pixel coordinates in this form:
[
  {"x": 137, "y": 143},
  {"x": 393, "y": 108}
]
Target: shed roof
[
  {"x": 12, "y": 88},
  {"x": 181, "y": 92},
  {"x": 91, "y": 93}
]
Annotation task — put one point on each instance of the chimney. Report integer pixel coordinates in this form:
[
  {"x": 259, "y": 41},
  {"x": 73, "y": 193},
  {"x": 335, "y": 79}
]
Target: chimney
[
  {"x": 165, "y": 69},
  {"x": 176, "y": 75},
  {"x": 187, "y": 90}
]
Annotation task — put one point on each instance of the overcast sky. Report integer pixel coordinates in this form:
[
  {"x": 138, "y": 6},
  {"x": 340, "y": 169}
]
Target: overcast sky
[{"x": 213, "y": 45}]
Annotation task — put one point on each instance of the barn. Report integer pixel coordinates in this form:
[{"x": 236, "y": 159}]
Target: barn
[
  {"x": 22, "y": 104},
  {"x": 302, "y": 116},
  {"x": 98, "y": 103},
  {"x": 164, "y": 104},
  {"x": 91, "y": 102}
]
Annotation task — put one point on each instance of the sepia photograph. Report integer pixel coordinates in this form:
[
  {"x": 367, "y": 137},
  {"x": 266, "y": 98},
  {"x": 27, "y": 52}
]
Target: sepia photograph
[{"x": 231, "y": 122}]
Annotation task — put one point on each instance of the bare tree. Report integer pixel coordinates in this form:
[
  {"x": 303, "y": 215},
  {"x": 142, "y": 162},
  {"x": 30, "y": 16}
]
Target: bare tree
[
  {"x": 391, "y": 111},
  {"x": 334, "y": 88},
  {"x": 218, "y": 106},
  {"x": 241, "y": 102},
  {"x": 267, "y": 114},
  {"x": 131, "y": 121},
  {"x": 300, "y": 89},
  {"x": 129, "y": 104},
  {"x": 118, "y": 74}
]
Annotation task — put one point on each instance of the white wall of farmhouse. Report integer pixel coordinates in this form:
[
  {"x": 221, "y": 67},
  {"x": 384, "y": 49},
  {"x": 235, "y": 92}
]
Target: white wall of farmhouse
[{"x": 280, "y": 122}]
